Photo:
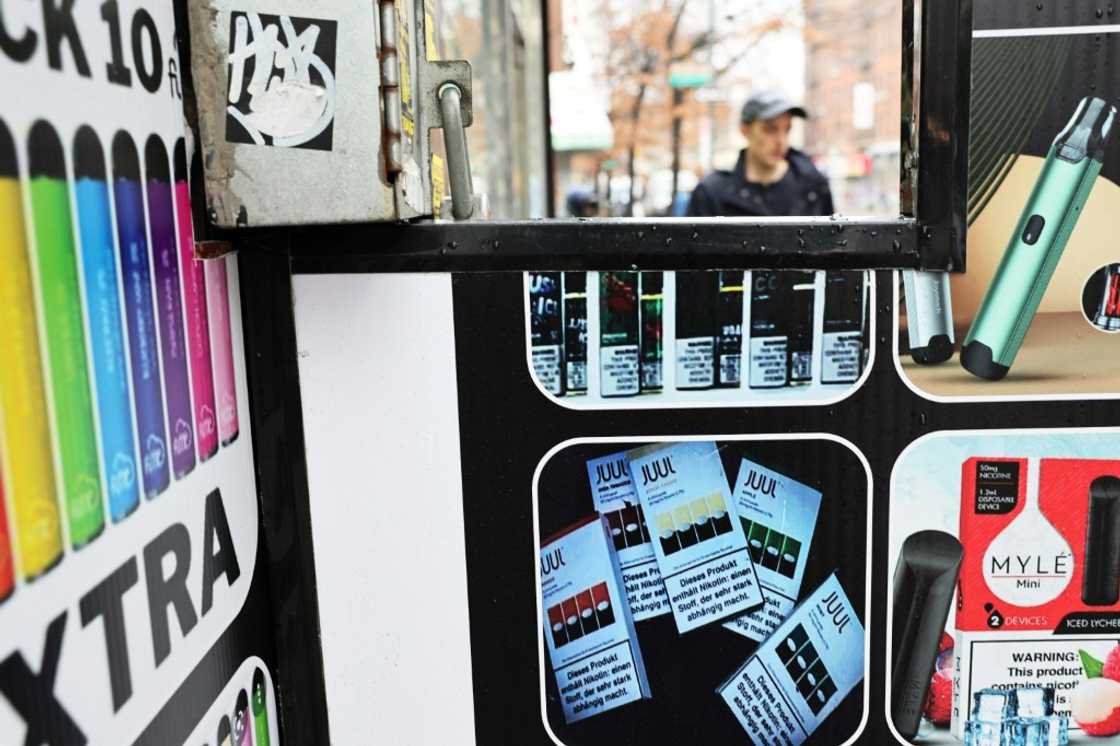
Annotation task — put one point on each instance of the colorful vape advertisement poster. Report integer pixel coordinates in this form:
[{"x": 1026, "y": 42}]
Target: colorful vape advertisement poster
[
  {"x": 129, "y": 507},
  {"x": 1044, "y": 191},
  {"x": 1037, "y": 602},
  {"x": 613, "y": 491},
  {"x": 779, "y": 515},
  {"x": 589, "y": 633},
  {"x": 707, "y": 571},
  {"x": 802, "y": 672}
]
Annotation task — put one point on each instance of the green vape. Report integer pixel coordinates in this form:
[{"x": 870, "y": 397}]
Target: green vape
[{"x": 1045, "y": 226}]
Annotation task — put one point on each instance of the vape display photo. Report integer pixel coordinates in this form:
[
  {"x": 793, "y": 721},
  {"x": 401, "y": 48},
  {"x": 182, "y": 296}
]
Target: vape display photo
[
  {"x": 640, "y": 340},
  {"x": 1043, "y": 193},
  {"x": 809, "y": 538},
  {"x": 1005, "y": 588}
]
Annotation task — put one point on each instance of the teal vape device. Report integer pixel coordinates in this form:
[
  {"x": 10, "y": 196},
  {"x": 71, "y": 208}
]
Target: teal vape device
[{"x": 1045, "y": 226}]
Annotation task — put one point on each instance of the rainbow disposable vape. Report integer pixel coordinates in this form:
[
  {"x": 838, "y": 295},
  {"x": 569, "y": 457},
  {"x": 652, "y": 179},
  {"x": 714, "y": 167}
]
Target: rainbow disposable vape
[
  {"x": 242, "y": 723},
  {"x": 66, "y": 346},
  {"x": 929, "y": 316},
  {"x": 803, "y": 293},
  {"x": 575, "y": 333},
  {"x": 24, "y": 428},
  {"x": 225, "y": 733},
  {"x": 769, "y": 339},
  {"x": 618, "y": 333},
  {"x": 845, "y": 295},
  {"x": 140, "y": 316},
  {"x": 194, "y": 303},
  {"x": 925, "y": 578},
  {"x": 547, "y": 329},
  {"x": 729, "y": 328},
  {"x": 1101, "y": 579},
  {"x": 221, "y": 347},
  {"x": 169, "y": 306},
  {"x": 588, "y": 626},
  {"x": 7, "y": 576},
  {"x": 106, "y": 330},
  {"x": 651, "y": 305},
  {"x": 260, "y": 709},
  {"x": 696, "y": 329},
  {"x": 1035, "y": 247}
]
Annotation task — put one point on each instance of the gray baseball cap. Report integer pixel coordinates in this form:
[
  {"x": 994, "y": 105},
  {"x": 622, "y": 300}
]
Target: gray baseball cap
[{"x": 770, "y": 104}]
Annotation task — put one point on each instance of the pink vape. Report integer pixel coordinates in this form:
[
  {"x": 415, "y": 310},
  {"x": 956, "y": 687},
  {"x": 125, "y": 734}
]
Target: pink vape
[
  {"x": 194, "y": 302},
  {"x": 217, "y": 301}
]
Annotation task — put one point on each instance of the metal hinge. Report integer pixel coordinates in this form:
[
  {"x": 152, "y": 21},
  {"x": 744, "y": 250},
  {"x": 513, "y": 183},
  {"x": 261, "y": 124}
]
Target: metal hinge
[{"x": 390, "y": 89}]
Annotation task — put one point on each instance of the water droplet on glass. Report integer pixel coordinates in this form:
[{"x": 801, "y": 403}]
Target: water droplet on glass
[
  {"x": 668, "y": 241},
  {"x": 1100, "y": 13},
  {"x": 695, "y": 235},
  {"x": 641, "y": 234},
  {"x": 497, "y": 244}
]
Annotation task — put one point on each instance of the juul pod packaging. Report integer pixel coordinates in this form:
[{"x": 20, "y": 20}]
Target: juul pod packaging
[
  {"x": 802, "y": 672},
  {"x": 589, "y": 632},
  {"x": 701, "y": 550},
  {"x": 613, "y": 493},
  {"x": 779, "y": 515}
]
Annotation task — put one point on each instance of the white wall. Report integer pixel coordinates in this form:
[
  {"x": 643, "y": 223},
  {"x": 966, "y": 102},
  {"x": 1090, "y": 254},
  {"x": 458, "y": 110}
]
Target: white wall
[{"x": 380, "y": 409}]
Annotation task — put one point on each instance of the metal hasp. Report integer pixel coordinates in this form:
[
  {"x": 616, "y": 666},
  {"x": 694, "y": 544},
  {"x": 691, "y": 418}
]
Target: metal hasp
[{"x": 458, "y": 155}]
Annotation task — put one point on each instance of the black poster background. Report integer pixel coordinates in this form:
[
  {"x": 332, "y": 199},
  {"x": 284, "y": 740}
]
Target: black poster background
[{"x": 507, "y": 425}]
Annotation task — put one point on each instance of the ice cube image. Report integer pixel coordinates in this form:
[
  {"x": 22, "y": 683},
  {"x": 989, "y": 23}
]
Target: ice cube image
[
  {"x": 984, "y": 733},
  {"x": 994, "y": 705},
  {"x": 1058, "y": 733},
  {"x": 1034, "y": 701},
  {"x": 1028, "y": 732}
]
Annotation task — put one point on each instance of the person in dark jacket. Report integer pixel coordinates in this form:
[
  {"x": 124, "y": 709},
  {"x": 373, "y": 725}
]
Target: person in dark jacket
[{"x": 770, "y": 178}]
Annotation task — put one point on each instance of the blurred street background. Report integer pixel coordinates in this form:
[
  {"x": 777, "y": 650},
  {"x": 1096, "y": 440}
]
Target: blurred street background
[{"x": 644, "y": 96}]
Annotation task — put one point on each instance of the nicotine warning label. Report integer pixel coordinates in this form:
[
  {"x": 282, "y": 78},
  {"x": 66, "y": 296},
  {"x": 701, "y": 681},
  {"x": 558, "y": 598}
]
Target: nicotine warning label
[
  {"x": 598, "y": 682},
  {"x": 577, "y": 376},
  {"x": 695, "y": 362},
  {"x": 1003, "y": 660},
  {"x": 618, "y": 366},
  {"x": 714, "y": 590},
  {"x": 761, "y": 707},
  {"x": 841, "y": 357},
  {"x": 546, "y": 366},
  {"x": 761, "y": 623},
  {"x": 768, "y": 362},
  {"x": 646, "y": 590}
]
